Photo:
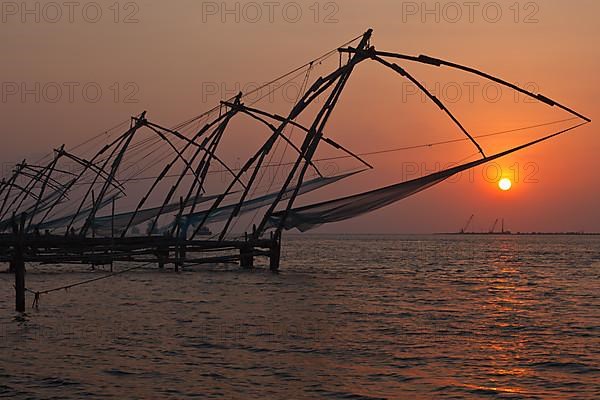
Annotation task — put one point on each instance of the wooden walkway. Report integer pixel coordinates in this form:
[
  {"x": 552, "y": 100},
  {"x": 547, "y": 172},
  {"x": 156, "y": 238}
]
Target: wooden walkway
[{"x": 18, "y": 249}]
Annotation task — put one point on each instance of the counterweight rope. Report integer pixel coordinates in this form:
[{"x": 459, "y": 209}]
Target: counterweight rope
[
  {"x": 37, "y": 294},
  {"x": 377, "y": 152}
]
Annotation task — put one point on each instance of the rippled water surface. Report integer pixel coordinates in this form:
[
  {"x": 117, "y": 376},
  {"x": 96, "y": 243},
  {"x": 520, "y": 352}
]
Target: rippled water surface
[{"x": 348, "y": 317}]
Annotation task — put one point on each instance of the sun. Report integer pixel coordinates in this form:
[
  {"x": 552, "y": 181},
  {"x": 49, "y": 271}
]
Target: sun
[{"x": 505, "y": 184}]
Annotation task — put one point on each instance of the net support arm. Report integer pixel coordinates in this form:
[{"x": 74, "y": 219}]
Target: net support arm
[
  {"x": 209, "y": 151},
  {"x": 433, "y": 98},
  {"x": 52, "y": 183},
  {"x": 179, "y": 135},
  {"x": 45, "y": 183},
  {"x": 10, "y": 184},
  {"x": 330, "y": 142},
  {"x": 89, "y": 165},
  {"x": 274, "y": 129},
  {"x": 114, "y": 145},
  {"x": 178, "y": 152},
  {"x": 316, "y": 132},
  {"x": 423, "y": 59},
  {"x": 139, "y": 122}
]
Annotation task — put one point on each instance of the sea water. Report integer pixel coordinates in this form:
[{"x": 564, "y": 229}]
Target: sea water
[{"x": 347, "y": 317}]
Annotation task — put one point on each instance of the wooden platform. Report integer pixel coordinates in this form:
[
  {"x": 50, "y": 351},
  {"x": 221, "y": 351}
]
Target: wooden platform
[
  {"x": 17, "y": 249},
  {"x": 51, "y": 249}
]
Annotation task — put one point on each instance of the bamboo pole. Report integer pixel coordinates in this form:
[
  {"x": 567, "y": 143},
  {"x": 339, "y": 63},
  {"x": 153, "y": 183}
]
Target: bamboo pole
[{"x": 18, "y": 264}]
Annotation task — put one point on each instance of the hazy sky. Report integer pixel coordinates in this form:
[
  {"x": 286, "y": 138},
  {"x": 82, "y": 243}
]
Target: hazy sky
[{"x": 69, "y": 72}]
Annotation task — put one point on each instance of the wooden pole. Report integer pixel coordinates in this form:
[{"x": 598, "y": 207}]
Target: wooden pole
[
  {"x": 112, "y": 234},
  {"x": 161, "y": 257},
  {"x": 315, "y": 133},
  {"x": 247, "y": 257},
  {"x": 178, "y": 247},
  {"x": 275, "y": 255},
  {"x": 93, "y": 233},
  {"x": 246, "y": 254},
  {"x": 127, "y": 139},
  {"x": 18, "y": 264}
]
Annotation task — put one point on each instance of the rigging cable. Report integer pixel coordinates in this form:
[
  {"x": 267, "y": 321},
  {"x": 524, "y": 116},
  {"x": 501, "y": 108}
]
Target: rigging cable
[
  {"x": 37, "y": 294},
  {"x": 392, "y": 150}
]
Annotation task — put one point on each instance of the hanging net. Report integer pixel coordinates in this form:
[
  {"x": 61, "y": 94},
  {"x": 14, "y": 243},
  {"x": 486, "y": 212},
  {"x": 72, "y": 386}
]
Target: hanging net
[{"x": 312, "y": 216}]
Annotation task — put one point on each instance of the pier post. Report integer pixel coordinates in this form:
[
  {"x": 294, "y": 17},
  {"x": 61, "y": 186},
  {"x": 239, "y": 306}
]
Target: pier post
[
  {"x": 162, "y": 257},
  {"x": 181, "y": 255},
  {"x": 18, "y": 264},
  {"x": 179, "y": 249},
  {"x": 19, "y": 267},
  {"x": 247, "y": 257},
  {"x": 246, "y": 254},
  {"x": 112, "y": 236},
  {"x": 163, "y": 251},
  {"x": 275, "y": 255}
]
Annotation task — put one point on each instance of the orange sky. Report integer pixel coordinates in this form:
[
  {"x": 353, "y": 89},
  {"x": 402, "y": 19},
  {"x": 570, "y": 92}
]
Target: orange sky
[{"x": 170, "y": 55}]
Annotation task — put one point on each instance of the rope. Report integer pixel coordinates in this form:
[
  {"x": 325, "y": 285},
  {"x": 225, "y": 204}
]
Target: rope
[
  {"x": 146, "y": 155},
  {"x": 37, "y": 294},
  {"x": 136, "y": 175},
  {"x": 318, "y": 59},
  {"x": 301, "y": 92},
  {"x": 465, "y": 139},
  {"x": 97, "y": 136},
  {"x": 377, "y": 152},
  {"x": 143, "y": 148}
]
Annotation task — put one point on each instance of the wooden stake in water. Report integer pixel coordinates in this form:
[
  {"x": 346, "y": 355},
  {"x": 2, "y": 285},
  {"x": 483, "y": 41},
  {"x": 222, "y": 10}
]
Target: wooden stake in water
[
  {"x": 112, "y": 235},
  {"x": 19, "y": 264}
]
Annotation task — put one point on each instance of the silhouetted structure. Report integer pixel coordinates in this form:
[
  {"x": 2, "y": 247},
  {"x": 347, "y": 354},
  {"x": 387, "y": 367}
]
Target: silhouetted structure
[{"x": 67, "y": 203}]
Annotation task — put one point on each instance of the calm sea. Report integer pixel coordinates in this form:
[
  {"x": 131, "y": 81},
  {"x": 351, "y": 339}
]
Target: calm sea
[{"x": 351, "y": 317}]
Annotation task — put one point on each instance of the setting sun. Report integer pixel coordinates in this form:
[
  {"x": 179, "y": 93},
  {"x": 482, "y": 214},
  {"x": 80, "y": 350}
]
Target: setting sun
[{"x": 504, "y": 184}]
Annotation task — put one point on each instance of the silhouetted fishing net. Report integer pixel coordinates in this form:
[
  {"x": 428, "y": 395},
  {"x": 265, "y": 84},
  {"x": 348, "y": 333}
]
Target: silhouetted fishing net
[
  {"x": 309, "y": 217},
  {"x": 312, "y": 216},
  {"x": 223, "y": 213}
]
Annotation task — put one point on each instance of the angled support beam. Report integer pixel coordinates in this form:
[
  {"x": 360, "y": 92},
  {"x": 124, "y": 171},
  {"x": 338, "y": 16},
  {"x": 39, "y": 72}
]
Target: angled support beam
[
  {"x": 265, "y": 148},
  {"x": 208, "y": 156},
  {"x": 139, "y": 122},
  {"x": 246, "y": 191},
  {"x": 318, "y": 87},
  {"x": 253, "y": 111},
  {"x": 210, "y": 144},
  {"x": 423, "y": 59},
  {"x": 274, "y": 129},
  {"x": 86, "y": 165},
  {"x": 437, "y": 101},
  {"x": 223, "y": 164},
  {"x": 314, "y": 137},
  {"x": 7, "y": 186},
  {"x": 178, "y": 152},
  {"x": 336, "y": 145},
  {"x": 29, "y": 187},
  {"x": 49, "y": 172},
  {"x": 52, "y": 183},
  {"x": 168, "y": 167},
  {"x": 197, "y": 173},
  {"x": 21, "y": 189},
  {"x": 90, "y": 165},
  {"x": 115, "y": 144},
  {"x": 204, "y": 165}
]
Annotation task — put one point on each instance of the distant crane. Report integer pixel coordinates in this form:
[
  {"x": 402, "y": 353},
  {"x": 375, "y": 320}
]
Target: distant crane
[
  {"x": 464, "y": 229},
  {"x": 503, "y": 231},
  {"x": 493, "y": 228}
]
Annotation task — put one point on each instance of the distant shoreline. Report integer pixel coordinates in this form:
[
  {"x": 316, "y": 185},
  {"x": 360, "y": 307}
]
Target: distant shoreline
[
  {"x": 454, "y": 234},
  {"x": 523, "y": 233}
]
